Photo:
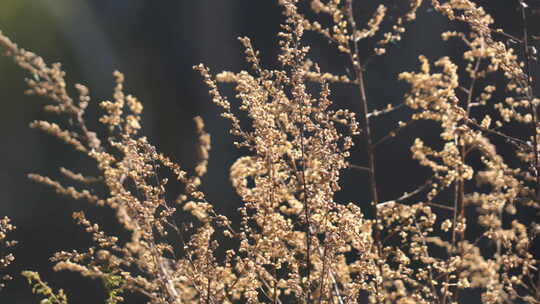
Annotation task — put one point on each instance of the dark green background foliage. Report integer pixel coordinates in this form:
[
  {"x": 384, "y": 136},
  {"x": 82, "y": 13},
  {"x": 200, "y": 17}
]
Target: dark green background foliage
[{"x": 155, "y": 43}]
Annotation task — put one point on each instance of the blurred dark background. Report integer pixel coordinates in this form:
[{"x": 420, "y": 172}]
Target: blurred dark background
[{"x": 155, "y": 44}]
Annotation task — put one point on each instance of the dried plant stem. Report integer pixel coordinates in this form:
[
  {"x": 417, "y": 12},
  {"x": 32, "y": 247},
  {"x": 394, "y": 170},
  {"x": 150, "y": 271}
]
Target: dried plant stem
[
  {"x": 529, "y": 92},
  {"x": 419, "y": 189},
  {"x": 459, "y": 190},
  {"x": 358, "y": 70},
  {"x": 323, "y": 275},
  {"x": 306, "y": 205},
  {"x": 164, "y": 276},
  {"x": 270, "y": 169},
  {"x": 274, "y": 287},
  {"x": 459, "y": 206},
  {"x": 518, "y": 143},
  {"x": 360, "y": 168},
  {"x": 441, "y": 206},
  {"x": 332, "y": 277},
  {"x": 208, "y": 291},
  {"x": 388, "y": 110},
  {"x": 393, "y": 133},
  {"x": 534, "y": 109},
  {"x": 370, "y": 149},
  {"x": 458, "y": 202},
  {"x": 305, "y": 198},
  {"x": 430, "y": 272}
]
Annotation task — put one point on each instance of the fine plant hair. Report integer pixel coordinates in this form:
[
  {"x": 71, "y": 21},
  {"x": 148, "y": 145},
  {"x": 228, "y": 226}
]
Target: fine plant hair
[{"x": 460, "y": 231}]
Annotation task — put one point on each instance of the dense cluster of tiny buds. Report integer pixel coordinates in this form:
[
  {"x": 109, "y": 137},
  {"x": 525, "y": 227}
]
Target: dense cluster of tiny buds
[{"x": 5, "y": 243}]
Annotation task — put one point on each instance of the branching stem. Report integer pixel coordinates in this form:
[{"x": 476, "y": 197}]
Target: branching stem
[{"x": 529, "y": 92}]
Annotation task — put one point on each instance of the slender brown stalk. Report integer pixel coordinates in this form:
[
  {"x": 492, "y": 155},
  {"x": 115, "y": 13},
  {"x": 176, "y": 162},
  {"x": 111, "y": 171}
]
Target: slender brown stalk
[
  {"x": 529, "y": 91},
  {"x": 370, "y": 151},
  {"x": 370, "y": 147},
  {"x": 306, "y": 214},
  {"x": 208, "y": 290},
  {"x": 323, "y": 275},
  {"x": 393, "y": 133}
]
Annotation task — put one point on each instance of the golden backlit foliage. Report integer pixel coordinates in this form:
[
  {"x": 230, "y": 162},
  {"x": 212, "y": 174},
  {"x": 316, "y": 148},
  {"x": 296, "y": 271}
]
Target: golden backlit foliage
[{"x": 294, "y": 242}]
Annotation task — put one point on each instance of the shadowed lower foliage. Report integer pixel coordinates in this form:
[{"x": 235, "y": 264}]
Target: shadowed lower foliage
[{"x": 461, "y": 231}]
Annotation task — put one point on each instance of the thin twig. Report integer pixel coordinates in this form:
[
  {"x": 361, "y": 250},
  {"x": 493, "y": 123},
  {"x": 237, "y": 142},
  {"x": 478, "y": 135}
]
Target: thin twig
[
  {"x": 525, "y": 45},
  {"x": 361, "y": 168},
  {"x": 332, "y": 277},
  {"x": 208, "y": 291},
  {"x": 354, "y": 56},
  {"x": 440, "y": 206},
  {"x": 421, "y": 188},
  {"x": 518, "y": 143},
  {"x": 359, "y": 73},
  {"x": 304, "y": 186},
  {"x": 425, "y": 251},
  {"x": 323, "y": 274},
  {"x": 394, "y": 132},
  {"x": 385, "y": 111}
]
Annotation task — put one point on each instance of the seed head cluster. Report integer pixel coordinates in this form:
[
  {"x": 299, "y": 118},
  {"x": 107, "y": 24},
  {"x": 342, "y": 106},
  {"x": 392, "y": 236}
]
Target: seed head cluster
[{"x": 460, "y": 232}]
